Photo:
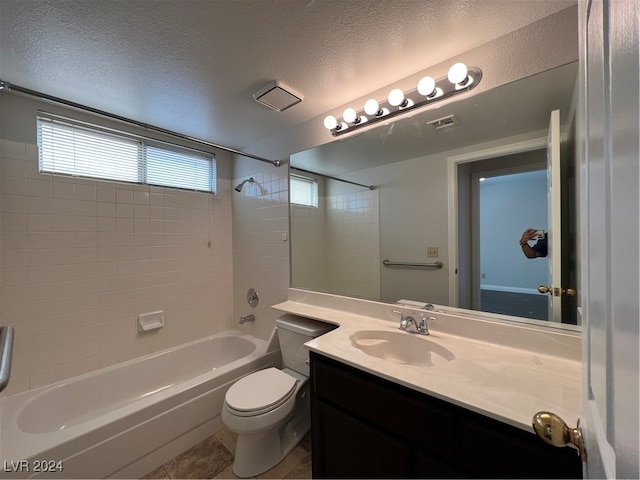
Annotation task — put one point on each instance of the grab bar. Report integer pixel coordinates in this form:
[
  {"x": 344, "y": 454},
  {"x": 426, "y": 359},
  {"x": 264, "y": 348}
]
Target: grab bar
[
  {"x": 388, "y": 263},
  {"x": 6, "y": 352}
]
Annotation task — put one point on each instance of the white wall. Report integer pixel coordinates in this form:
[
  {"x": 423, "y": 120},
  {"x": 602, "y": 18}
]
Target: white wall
[
  {"x": 413, "y": 216},
  {"x": 508, "y": 206},
  {"x": 413, "y": 196}
]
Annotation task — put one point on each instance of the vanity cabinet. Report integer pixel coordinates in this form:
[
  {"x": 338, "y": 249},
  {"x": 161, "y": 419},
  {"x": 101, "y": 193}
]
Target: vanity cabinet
[{"x": 364, "y": 426}]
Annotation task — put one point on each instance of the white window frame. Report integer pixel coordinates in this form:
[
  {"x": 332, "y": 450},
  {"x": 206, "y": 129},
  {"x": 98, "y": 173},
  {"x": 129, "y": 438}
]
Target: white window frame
[{"x": 193, "y": 169}]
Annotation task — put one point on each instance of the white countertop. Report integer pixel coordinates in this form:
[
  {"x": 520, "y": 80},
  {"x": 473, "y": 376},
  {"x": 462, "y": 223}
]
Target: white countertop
[{"x": 509, "y": 382}]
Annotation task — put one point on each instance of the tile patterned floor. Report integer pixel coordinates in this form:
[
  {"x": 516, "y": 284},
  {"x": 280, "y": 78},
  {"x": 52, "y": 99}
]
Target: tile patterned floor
[{"x": 213, "y": 458}]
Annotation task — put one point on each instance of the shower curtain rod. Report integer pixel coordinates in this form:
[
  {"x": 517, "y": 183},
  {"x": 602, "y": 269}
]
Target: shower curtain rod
[
  {"x": 370, "y": 187},
  {"x": 9, "y": 87}
]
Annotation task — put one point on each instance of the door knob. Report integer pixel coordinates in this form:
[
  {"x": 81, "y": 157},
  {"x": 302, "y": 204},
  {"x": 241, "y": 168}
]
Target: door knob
[
  {"x": 553, "y": 430},
  {"x": 557, "y": 291}
]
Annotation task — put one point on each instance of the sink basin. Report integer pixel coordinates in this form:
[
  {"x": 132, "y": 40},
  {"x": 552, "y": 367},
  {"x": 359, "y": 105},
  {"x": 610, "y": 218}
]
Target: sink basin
[{"x": 401, "y": 347}]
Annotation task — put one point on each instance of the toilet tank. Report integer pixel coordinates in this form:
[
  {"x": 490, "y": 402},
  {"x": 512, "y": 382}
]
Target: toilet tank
[{"x": 293, "y": 333}]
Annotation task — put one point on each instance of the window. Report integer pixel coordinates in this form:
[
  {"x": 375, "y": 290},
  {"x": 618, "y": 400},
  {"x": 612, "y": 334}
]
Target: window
[
  {"x": 72, "y": 148},
  {"x": 303, "y": 190}
]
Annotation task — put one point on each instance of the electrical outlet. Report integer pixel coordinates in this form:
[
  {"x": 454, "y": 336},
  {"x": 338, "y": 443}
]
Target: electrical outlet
[
  {"x": 432, "y": 251},
  {"x": 484, "y": 275}
]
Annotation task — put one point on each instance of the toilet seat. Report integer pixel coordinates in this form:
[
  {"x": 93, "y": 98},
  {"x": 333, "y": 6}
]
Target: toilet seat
[{"x": 260, "y": 392}]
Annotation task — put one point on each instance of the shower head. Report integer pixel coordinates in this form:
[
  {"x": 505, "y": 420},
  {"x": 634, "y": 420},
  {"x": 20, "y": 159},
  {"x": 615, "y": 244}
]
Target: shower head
[{"x": 240, "y": 185}]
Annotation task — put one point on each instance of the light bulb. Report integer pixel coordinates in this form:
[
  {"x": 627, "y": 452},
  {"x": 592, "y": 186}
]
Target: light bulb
[
  {"x": 396, "y": 97},
  {"x": 426, "y": 86},
  {"x": 371, "y": 107},
  {"x": 457, "y": 73},
  {"x": 330, "y": 122},
  {"x": 350, "y": 115}
]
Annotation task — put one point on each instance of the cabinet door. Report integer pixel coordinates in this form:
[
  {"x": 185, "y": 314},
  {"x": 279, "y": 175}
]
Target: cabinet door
[
  {"x": 428, "y": 467},
  {"x": 498, "y": 451},
  {"x": 419, "y": 420},
  {"x": 347, "y": 448}
]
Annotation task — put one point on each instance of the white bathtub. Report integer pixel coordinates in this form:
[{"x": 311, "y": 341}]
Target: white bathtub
[{"x": 125, "y": 420}]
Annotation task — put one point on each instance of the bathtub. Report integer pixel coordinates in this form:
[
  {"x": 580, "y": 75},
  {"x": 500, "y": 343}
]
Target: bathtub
[{"x": 127, "y": 419}]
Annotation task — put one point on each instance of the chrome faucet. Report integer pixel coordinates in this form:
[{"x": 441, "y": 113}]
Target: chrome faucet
[{"x": 407, "y": 320}]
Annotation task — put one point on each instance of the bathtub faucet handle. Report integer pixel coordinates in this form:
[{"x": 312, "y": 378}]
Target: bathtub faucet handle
[{"x": 248, "y": 318}]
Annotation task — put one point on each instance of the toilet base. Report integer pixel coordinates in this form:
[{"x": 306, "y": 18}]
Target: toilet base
[{"x": 258, "y": 452}]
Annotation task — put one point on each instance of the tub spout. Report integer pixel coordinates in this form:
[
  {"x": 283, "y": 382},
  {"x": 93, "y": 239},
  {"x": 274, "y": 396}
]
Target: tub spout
[{"x": 248, "y": 318}]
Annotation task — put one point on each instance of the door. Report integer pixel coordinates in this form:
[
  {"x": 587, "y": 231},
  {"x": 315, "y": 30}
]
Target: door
[
  {"x": 554, "y": 209},
  {"x": 609, "y": 216},
  {"x": 504, "y": 281},
  {"x": 609, "y": 213}
]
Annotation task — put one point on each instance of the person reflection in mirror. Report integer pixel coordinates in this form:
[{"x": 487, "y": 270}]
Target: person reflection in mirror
[{"x": 538, "y": 249}]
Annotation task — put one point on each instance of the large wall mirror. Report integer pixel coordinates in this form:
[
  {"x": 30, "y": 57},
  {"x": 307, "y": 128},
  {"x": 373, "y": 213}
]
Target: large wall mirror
[{"x": 460, "y": 196}]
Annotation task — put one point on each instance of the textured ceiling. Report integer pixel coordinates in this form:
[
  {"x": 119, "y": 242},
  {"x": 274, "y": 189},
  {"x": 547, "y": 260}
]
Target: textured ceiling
[{"x": 192, "y": 66}]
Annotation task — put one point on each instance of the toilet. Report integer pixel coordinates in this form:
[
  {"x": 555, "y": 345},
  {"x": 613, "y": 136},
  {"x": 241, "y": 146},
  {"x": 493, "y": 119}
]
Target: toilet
[{"x": 269, "y": 410}]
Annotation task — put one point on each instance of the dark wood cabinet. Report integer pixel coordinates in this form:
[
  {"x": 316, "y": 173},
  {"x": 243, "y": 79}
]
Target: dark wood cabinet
[{"x": 364, "y": 426}]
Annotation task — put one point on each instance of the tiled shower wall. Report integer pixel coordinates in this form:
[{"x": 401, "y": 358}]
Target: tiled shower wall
[
  {"x": 353, "y": 243},
  {"x": 79, "y": 260},
  {"x": 336, "y": 247},
  {"x": 308, "y": 246},
  {"x": 260, "y": 243}
]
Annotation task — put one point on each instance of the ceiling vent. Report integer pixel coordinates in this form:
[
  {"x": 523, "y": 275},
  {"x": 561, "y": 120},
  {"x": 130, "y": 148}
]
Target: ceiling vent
[
  {"x": 443, "y": 122},
  {"x": 277, "y": 96}
]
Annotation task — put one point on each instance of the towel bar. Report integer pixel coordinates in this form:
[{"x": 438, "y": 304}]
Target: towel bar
[{"x": 388, "y": 263}]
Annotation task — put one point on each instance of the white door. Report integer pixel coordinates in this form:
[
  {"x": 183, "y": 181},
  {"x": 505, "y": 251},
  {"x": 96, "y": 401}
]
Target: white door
[
  {"x": 610, "y": 231},
  {"x": 554, "y": 207},
  {"x": 609, "y": 235}
]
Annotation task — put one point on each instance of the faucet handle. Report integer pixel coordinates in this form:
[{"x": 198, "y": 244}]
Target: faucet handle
[
  {"x": 405, "y": 320},
  {"x": 423, "y": 327},
  {"x": 403, "y": 317}
]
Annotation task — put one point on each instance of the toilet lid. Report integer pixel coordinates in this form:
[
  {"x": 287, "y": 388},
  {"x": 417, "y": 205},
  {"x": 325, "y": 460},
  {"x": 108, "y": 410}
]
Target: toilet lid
[{"x": 260, "y": 390}]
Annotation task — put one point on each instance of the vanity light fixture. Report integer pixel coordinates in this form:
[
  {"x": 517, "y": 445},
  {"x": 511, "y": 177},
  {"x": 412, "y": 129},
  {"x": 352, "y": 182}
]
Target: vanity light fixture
[
  {"x": 397, "y": 99},
  {"x": 371, "y": 107},
  {"x": 457, "y": 73},
  {"x": 331, "y": 123},
  {"x": 459, "y": 79},
  {"x": 351, "y": 116},
  {"x": 427, "y": 87}
]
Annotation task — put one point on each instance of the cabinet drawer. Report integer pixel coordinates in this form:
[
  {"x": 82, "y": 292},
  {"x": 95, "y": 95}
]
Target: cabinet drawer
[{"x": 389, "y": 407}]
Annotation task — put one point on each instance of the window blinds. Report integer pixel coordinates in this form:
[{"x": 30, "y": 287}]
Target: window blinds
[
  {"x": 303, "y": 190},
  {"x": 72, "y": 148}
]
